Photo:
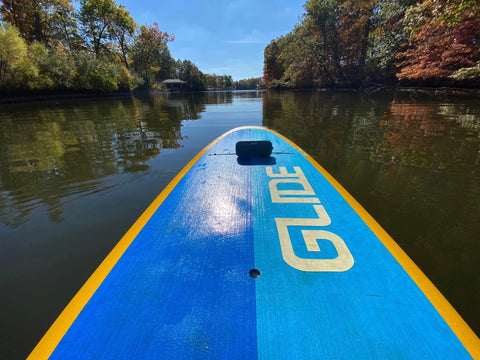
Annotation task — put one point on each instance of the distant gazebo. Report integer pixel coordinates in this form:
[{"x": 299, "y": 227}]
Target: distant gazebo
[{"x": 174, "y": 84}]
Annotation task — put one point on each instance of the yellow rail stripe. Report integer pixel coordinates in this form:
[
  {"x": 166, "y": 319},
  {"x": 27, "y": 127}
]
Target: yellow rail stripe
[
  {"x": 59, "y": 328},
  {"x": 464, "y": 333}
]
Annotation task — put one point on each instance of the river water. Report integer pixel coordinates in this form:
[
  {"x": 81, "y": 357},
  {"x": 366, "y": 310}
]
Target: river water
[{"x": 76, "y": 174}]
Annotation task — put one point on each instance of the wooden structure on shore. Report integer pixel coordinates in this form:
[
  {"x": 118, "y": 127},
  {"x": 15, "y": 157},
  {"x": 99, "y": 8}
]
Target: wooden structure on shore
[{"x": 174, "y": 84}]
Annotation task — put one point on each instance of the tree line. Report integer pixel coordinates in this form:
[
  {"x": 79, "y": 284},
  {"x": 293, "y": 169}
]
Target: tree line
[
  {"x": 50, "y": 45},
  {"x": 352, "y": 43}
]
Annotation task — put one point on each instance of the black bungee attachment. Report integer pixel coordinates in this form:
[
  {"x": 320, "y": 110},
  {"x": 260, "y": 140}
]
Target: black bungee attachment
[{"x": 251, "y": 149}]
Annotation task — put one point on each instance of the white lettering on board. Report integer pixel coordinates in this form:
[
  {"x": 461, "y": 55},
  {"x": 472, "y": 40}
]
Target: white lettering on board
[
  {"x": 281, "y": 196},
  {"x": 344, "y": 260}
]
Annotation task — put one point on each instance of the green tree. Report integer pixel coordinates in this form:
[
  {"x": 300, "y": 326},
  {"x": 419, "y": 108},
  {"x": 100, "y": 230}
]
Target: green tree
[
  {"x": 322, "y": 17},
  {"x": 62, "y": 26},
  {"x": 126, "y": 80},
  {"x": 328, "y": 48},
  {"x": 389, "y": 38},
  {"x": 470, "y": 75},
  {"x": 188, "y": 71},
  {"x": 123, "y": 29},
  {"x": 272, "y": 65},
  {"x": 228, "y": 81},
  {"x": 103, "y": 22},
  {"x": 248, "y": 84},
  {"x": 150, "y": 54},
  {"x": 27, "y": 74},
  {"x": 224, "y": 81},
  {"x": 96, "y": 73},
  {"x": 303, "y": 58},
  {"x": 26, "y": 66},
  {"x": 211, "y": 80},
  {"x": 12, "y": 50},
  {"x": 343, "y": 32},
  {"x": 57, "y": 68},
  {"x": 23, "y": 71}
]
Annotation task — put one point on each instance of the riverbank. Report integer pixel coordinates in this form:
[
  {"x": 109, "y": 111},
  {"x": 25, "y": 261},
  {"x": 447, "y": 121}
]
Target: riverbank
[
  {"x": 376, "y": 89},
  {"x": 372, "y": 89},
  {"x": 418, "y": 91},
  {"x": 58, "y": 96}
]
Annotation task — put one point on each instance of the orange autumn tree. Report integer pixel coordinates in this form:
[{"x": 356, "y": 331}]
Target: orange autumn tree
[
  {"x": 45, "y": 21},
  {"x": 444, "y": 38},
  {"x": 355, "y": 23}
]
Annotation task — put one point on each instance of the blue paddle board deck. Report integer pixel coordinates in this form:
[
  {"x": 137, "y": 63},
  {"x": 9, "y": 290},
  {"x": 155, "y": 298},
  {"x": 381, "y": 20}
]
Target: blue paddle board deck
[{"x": 257, "y": 257}]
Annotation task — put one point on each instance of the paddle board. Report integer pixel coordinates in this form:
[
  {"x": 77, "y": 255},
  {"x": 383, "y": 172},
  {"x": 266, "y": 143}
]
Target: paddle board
[{"x": 262, "y": 255}]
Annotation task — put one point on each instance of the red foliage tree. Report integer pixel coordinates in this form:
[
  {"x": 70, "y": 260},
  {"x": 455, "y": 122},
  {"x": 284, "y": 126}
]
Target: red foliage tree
[{"x": 439, "y": 49}]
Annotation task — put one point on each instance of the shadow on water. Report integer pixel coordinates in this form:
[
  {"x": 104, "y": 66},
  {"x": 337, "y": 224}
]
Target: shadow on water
[{"x": 74, "y": 175}]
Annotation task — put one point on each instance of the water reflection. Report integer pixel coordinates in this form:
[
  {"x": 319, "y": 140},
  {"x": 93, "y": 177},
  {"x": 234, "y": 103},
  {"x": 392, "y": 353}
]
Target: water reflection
[
  {"x": 49, "y": 151},
  {"x": 414, "y": 165}
]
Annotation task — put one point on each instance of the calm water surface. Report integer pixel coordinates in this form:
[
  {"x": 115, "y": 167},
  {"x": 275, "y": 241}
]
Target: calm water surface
[{"x": 75, "y": 175}]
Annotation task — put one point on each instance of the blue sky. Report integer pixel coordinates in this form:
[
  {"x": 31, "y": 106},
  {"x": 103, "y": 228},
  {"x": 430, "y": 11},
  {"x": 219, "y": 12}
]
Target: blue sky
[{"x": 221, "y": 37}]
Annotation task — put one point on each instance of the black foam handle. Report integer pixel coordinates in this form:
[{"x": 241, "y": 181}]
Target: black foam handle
[{"x": 257, "y": 148}]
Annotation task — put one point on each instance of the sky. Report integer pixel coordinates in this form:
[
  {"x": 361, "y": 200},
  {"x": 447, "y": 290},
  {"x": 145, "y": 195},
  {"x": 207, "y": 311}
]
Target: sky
[{"x": 220, "y": 37}]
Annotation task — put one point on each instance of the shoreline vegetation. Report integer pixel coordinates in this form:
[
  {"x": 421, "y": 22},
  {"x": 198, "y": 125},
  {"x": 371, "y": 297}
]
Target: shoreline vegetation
[
  {"x": 51, "y": 49},
  {"x": 359, "y": 43},
  {"x": 12, "y": 98}
]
